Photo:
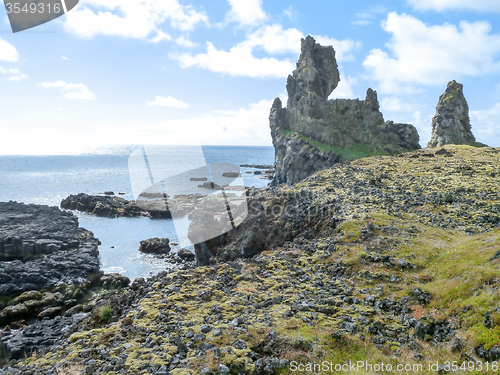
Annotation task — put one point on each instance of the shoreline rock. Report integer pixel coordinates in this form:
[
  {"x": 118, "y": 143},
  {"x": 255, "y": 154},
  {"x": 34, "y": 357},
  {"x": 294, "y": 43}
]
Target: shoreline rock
[
  {"x": 257, "y": 166},
  {"x": 55, "y": 261},
  {"x": 112, "y": 206},
  {"x": 148, "y": 205},
  {"x": 45, "y": 246},
  {"x": 155, "y": 246},
  {"x": 45, "y": 282}
]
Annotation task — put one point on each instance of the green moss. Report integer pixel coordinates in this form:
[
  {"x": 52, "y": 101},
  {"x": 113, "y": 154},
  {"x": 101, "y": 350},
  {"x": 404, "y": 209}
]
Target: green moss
[
  {"x": 356, "y": 151},
  {"x": 487, "y": 336},
  {"x": 451, "y": 93},
  {"x": 105, "y": 313}
]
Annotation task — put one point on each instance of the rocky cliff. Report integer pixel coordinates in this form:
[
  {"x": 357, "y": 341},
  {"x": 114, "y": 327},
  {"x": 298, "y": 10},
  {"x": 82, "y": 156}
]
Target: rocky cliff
[
  {"x": 451, "y": 124},
  {"x": 313, "y": 133}
]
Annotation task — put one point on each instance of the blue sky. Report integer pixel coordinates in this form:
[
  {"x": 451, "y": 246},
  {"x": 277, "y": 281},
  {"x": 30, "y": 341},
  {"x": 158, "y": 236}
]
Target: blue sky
[{"x": 114, "y": 72}]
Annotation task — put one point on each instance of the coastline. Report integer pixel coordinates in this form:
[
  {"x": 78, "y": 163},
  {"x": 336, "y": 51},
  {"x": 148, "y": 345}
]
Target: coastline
[{"x": 372, "y": 278}]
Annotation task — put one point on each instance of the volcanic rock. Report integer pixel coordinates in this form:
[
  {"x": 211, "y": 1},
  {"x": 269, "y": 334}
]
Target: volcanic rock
[
  {"x": 155, "y": 246},
  {"x": 313, "y": 133},
  {"x": 451, "y": 124}
]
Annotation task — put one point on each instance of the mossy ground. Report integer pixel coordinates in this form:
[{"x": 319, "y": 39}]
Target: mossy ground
[{"x": 433, "y": 212}]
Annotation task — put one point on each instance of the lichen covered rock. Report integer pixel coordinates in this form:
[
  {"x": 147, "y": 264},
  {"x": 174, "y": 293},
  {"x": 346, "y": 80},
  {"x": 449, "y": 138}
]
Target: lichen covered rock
[{"x": 451, "y": 124}]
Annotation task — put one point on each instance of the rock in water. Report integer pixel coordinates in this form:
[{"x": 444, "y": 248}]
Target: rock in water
[
  {"x": 155, "y": 245},
  {"x": 450, "y": 124},
  {"x": 313, "y": 133}
]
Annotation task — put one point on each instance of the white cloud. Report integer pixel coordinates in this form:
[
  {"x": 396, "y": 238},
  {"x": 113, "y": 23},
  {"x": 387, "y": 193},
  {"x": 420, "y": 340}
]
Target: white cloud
[
  {"x": 8, "y": 52},
  {"x": 18, "y": 78},
  {"x": 131, "y": 18},
  {"x": 15, "y": 74},
  {"x": 246, "y": 12},
  {"x": 367, "y": 17},
  {"x": 64, "y": 58},
  {"x": 273, "y": 39},
  {"x": 363, "y": 19},
  {"x": 485, "y": 125},
  {"x": 441, "y": 5},
  {"x": 343, "y": 48},
  {"x": 72, "y": 90},
  {"x": 184, "y": 42},
  {"x": 344, "y": 89},
  {"x": 239, "y": 61},
  {"x": 394, "y": 104},
  {"x": 291, "y": 13},
  {"x": 160, "y": 36},
  {"x": 431, "y": 55},
  {"x": 244, "y": 126},
  {"x": 168, "y": 102}
]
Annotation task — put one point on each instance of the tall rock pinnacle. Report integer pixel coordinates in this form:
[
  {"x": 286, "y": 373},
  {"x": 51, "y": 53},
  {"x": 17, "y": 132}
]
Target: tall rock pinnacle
[
  {"x": 317, "y": 72},
  {"x": 450, "y": 124},
  {"x": 313, "y": 133}
]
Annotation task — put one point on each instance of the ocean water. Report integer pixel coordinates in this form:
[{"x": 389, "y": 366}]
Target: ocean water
[{"x": 49, "y": 179}]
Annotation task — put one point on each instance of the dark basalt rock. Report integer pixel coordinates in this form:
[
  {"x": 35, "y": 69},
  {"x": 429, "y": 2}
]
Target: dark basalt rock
[
  {"x": 114, "y": 281},
  {"x": 313, "y": 133},
  {"x": 157, "y": 206},
  {"x": 451, "y": 124},
  {"x": 19, "y": 344},
  {"x": 28, "y": 231},
  {"x": 186, "y": 254},
  {"x": 50, "y": 253},
  {"x": 112, "y": 206},
  {"x": 64, "y": 266},
  {"x": 47, "y": 245},
  {"x": 257, "y": 166},
  {"x": 155, "y": 245}
]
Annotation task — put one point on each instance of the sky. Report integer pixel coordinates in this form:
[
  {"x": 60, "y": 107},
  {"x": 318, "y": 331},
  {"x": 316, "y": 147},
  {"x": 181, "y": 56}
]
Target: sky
[{"x": 121, "y": 72}]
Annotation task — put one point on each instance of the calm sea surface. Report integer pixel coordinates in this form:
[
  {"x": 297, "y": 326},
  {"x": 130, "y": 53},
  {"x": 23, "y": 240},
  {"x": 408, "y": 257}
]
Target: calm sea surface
[{"x": 49, "y": 179}]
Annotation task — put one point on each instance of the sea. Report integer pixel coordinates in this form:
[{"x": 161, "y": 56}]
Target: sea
[{"x": 47, "y": 179}]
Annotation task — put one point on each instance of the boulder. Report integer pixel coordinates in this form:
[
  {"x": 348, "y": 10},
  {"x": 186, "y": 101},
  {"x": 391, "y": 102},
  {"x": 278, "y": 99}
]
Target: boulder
[
  {"x": 155, "y": 245},
  {"x": 185, "y": 254},
  {"x": 115, "y": 280}
]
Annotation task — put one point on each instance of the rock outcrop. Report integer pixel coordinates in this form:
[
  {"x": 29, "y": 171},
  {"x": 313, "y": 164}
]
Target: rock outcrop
[
  {"x": 451, "y": 124},
  {"x": 111, "y": 206},
  {"x": 313, "y": 133},
  {"x": 28, "y": 231},
  {"x": 51, "y": 261}
]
